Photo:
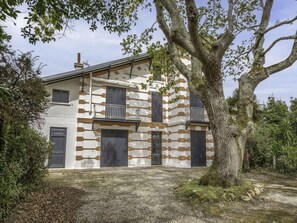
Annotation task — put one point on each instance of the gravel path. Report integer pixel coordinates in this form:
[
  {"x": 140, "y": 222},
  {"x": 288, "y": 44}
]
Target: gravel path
[
  {"x": 135, "y": 195},
  {"x": 127, "y": 195}
]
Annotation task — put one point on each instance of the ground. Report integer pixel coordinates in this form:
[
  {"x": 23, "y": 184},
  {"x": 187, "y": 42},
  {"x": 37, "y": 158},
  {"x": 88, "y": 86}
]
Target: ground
[{"x": 147, "y": 195}]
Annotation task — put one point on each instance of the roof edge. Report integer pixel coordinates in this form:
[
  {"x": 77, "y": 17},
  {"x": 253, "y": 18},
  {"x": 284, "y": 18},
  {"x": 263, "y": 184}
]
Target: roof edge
[{"x": 50, "y": 79}]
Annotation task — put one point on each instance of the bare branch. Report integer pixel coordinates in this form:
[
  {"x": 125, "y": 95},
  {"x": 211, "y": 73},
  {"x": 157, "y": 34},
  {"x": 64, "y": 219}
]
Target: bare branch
[
  {"x": 278, "y": 40},
  {"x": 228, "y": 36},
  {"x": 175, "y": 58},
  {"x": 192, "y": 16},
  {"x": 178, "y": 32},
  {"x": 161, "y": 20},
  {"x": 290, "y": 21},
  {"x": 259, "y": 42},
  {"x": 285, "y": 63},
  {"x": 230, "y": 17},
  {"x": 172, "y": 47}
]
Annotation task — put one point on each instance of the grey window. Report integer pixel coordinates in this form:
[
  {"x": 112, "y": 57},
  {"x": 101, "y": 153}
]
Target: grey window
[
  {"x": 115, "y": 103},
  {"x": 60, "y": 96},
  {"x": 157, "y": 107},
  {"x": 157, "y": 73}
]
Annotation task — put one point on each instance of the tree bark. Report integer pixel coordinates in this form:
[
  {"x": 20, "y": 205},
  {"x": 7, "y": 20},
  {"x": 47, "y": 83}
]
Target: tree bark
[{"x": 228, "y": 140}]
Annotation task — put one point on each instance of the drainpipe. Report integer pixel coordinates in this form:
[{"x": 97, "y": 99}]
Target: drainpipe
[{"x": 90, "y": 93}]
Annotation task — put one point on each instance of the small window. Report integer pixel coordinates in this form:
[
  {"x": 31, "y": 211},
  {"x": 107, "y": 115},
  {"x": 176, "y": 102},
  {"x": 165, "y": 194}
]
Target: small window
[
  {"x": 157, "y": 73},
  {"x": 157, "y": 107},
  {"x": 60, "y": 96}
]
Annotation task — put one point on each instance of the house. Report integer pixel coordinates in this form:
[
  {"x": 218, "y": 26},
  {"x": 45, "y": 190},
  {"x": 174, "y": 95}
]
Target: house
[{"x": 100, "y": 116}]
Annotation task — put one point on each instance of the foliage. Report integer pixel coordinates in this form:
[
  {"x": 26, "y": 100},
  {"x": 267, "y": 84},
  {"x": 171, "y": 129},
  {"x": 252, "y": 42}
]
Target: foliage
[
  {"x": 23, "y": 151},
  {"x": 275, "y": 136},
  {"x": 198, "y": 194},
  {"x": 22, "y": 164},
  {"x": 20, "y": 78},
  {"x": 46, "y": 20}
]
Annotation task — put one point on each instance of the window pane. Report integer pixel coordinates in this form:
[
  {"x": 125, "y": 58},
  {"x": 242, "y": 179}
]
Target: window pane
[
  {"x": 60, "y": 96},
  {"x": 65, "y": 96},
  {"x": 157, "y": 107},
  {"x": 195, "y": 101},
  {"x": 157, "y": 73}
]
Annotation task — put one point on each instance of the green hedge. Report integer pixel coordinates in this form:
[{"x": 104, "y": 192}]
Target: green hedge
[{"x": 22, "y": 164}]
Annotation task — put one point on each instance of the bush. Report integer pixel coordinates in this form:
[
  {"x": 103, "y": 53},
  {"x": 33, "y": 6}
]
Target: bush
[
  {"x": 22, "y": 165},
  {"x": 287, "y": 161},
  {"x": 262, "y": 149}
]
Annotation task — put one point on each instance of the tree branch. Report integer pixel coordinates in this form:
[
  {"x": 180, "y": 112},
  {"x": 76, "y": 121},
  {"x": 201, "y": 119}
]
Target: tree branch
[
  {"x": 171, "y": 46},
  {"x": 192, "y": 16},
  {"x": 259, "y": 42},
  {"x": 178, "y": 32},
  {"x": 175, "y": 58},
  {"x": 228, "y": 36},
  {"x": 278, "y": 40},
  {"x": 290, "y": 21},
  {"x": 285, "y": 63}
]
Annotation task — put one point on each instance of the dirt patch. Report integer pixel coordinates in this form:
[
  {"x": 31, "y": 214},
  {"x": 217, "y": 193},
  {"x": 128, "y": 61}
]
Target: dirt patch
[{"x": 51, "y": 204}]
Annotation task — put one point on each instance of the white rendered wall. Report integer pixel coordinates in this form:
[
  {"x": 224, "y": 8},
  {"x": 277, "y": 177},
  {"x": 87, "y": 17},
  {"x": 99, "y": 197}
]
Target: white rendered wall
[{"x": 61, "y": 115}]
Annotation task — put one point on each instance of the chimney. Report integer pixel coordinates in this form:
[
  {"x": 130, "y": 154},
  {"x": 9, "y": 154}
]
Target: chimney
[{"x": 78, "y": 65}]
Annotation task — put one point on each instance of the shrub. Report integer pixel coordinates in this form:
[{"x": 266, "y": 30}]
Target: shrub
[
  {"x": 287, "y": 161},
  {"x": 22, "y": 165}
]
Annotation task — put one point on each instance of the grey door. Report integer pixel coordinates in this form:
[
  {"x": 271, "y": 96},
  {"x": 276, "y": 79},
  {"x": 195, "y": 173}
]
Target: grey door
[
  {"x": 156, "y": 148},
  {"x": 114, "y": 148},
  {"x": 58, "y": 138},
  {"x": 198, "y": 148}
]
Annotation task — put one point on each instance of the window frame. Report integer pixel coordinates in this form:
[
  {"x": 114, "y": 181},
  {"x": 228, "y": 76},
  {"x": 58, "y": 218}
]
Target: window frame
[
  {"x": 59, "y": 98},
  {"x": 157, "y": 115}
]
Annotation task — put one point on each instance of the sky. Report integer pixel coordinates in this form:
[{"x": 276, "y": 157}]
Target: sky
[{"x": 100, "y": 46}]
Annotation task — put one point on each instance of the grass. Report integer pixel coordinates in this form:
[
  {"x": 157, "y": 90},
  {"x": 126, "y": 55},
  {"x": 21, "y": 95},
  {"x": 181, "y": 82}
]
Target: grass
[{"x": 195, "y": 193}]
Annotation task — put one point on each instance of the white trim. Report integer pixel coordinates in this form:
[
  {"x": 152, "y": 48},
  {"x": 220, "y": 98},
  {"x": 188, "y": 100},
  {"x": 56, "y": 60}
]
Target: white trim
[{"x": 115, "y": 83}]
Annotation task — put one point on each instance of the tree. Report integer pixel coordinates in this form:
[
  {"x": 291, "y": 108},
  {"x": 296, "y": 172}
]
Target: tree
[
  {"x": 23, "y": 150},
  {"x": 22, "y": 95},
  {"x": 274, "y": 138},
  {"x": 209, "y": 35},
  {"x": 46, "y": 20},
  {"x": 197, "y": 31}
]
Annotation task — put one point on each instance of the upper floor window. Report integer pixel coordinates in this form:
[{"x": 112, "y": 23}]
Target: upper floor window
[
  {"x": 196, "y": 108},
  {"x": 115, "y": 103},
  {"x": 157, "y": 107},
  {"x": 157, "y": 73},
  {"x": 195, "y": 102},
  {"x": 61, "y": 96}
]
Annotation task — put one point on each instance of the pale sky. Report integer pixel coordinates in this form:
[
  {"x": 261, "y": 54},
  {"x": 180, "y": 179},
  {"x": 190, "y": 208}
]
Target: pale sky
[{"x": 100, "y": 46}]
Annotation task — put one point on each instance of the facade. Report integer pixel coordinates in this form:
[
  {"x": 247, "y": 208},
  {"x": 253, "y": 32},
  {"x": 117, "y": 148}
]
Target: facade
[{"x": 100, "y": 116}]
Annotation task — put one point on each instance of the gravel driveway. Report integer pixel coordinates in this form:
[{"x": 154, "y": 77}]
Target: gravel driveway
[
  {"x": 144, "y": 195},
  {"x": 147, "y": 195},
  {"x": 132, "y": 194}
]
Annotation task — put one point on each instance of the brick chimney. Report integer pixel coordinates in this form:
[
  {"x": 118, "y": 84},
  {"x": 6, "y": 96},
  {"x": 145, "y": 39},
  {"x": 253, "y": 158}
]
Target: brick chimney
[{"x": 78, "y": 65}]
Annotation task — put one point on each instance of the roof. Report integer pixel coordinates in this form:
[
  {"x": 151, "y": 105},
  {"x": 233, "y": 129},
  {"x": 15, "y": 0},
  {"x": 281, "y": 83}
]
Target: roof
[{"x": 99, "y": 67}]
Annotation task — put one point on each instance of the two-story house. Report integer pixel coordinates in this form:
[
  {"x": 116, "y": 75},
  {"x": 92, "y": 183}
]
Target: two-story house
[{"x": 100, "y": 116}]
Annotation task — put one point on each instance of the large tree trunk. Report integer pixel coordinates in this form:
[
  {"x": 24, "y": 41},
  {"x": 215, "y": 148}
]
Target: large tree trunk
[{"x": 228, "y": 140}]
